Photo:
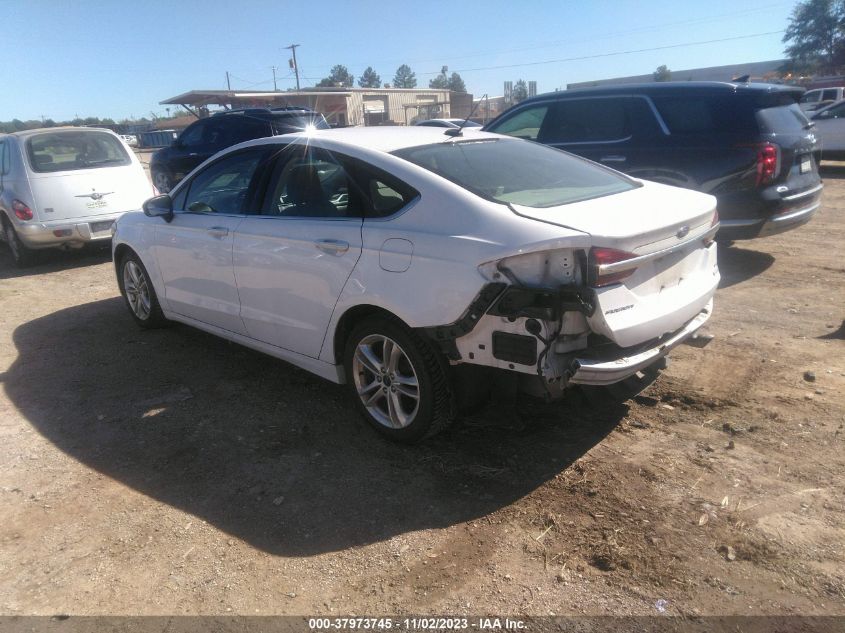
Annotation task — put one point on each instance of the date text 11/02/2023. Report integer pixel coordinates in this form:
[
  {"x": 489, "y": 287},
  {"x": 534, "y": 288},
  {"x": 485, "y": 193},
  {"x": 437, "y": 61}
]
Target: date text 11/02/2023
[{"x": 415, "y": 624}]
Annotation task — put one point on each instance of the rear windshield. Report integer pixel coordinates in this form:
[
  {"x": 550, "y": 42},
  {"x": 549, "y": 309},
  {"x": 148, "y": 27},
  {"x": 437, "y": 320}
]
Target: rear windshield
[
  {"x": 72, "y": 150},
  {"x": 519, "y": 172},
  {"x": 789, "y": 118}
]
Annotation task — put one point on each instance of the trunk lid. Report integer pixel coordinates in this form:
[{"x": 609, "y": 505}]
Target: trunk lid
[{"x": 640, "y": 221}]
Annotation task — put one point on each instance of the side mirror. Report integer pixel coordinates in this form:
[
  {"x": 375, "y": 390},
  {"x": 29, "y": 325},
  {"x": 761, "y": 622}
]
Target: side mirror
[
  {"x": 177, "y": 144},
  {"x": 159, "y": 207}
]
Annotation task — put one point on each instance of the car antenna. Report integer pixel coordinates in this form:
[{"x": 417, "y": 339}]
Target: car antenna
[{"x": 458, "y": 130}]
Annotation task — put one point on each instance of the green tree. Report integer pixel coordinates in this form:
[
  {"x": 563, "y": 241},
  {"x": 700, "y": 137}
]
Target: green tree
[
  {"x": 456, "y": 84},
  {"x": 441, "y": 82},
  {"x": 405, "y": 77},
  {"x": 662, "y": 73},
  {"x": 369, "y": 79},
  {"x": 338, "y": 76},
  {"x": 815, "y": 35},
  {"x": 520, "y": 91}
]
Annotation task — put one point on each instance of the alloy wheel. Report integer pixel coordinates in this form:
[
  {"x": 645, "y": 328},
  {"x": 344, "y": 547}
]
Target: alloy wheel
[
  {"x": 386, "y": 381},
  {"x": 137, "y": 290}
]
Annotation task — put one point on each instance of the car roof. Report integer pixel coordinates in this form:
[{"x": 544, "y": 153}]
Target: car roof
[
  {"x": 58, "y": 128},
  {"x": 667, "y": 87},
  {"x": 386, "y": 139}
]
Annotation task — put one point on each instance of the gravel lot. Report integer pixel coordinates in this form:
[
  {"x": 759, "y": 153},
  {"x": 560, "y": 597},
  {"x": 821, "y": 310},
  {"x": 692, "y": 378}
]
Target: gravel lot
[{"x": 169, "y": 472}]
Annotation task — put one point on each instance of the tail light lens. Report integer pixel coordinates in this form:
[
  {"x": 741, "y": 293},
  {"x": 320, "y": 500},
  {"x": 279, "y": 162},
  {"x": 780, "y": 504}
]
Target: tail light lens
[
  {"x": 768, "y": 163},
  {"x": 602, "y": 269},
  {"x": 22, "y": 212},
  {"x": 712, "y": 238}
]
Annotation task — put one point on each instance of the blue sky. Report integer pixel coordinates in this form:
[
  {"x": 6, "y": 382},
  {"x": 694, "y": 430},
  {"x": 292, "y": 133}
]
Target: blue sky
[{"x": 118, "y": 59}]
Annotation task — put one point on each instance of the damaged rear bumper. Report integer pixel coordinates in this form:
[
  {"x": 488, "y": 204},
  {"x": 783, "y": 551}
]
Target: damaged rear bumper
[{"x": 608, "y": 370}]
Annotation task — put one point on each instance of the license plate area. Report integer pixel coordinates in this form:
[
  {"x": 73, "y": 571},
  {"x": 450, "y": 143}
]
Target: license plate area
[
  {"x": 101, "y": 227},
  {"x": 805, "y": 165}
]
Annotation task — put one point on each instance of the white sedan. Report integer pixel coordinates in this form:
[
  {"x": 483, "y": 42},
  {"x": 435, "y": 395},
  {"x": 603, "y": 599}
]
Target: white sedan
[{"x": 397, "y": 259}]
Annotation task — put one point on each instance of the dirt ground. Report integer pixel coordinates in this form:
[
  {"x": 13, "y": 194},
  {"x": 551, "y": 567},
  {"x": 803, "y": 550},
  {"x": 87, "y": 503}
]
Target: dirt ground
[{"x": 169, "y": 472}]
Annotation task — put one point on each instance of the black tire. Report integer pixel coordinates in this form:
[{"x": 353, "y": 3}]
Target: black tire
[
  {"x": 132, "y": 270},
  {"x": 22, "y": 256},
  {"x": 434, "y": 409},
  {"x": 162, "y": 180}
]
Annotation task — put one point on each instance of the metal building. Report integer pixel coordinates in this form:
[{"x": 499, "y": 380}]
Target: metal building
[{"x": 341, "y": 106}]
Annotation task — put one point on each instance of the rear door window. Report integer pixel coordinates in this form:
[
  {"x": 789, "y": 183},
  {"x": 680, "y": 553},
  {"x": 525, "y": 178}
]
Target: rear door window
[
  {"x": 245, "y": 129},
  {"x": 587, "y": 121},
  {"x": 309, "y": 182},
  {"x": 74, "y": 150},
  {"x": 193, "y": 136},
  {"x": 706, "y": 114}
]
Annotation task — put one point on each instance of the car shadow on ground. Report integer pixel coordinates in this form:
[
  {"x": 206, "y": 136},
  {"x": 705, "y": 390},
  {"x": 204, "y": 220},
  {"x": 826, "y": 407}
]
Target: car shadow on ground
[
  {"x": 741, "y": 264},
  {"x": 266, "y": 452},
  {"x": 52, "y": 260}
]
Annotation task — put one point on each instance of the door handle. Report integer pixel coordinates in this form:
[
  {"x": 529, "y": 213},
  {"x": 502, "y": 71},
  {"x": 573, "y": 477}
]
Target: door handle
[
  {"x": 218, "y": 231},
  {"x": 613, "y": 159},
  {"x": 335, "y": 247}
]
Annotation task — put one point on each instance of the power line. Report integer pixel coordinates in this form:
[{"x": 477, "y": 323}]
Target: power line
[
  {"x": 705, "y": 19},
  {"x": 599, "y": 55}
]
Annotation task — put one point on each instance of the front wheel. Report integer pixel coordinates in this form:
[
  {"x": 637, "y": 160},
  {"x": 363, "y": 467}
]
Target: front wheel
[
  {"x": 398, "y": 381},
  {"x": 138, "y": 291}
]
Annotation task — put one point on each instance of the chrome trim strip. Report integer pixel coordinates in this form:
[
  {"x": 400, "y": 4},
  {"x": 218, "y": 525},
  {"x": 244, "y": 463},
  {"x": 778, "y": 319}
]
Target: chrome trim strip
[
  {"x": 635, "y": 262},
  {"x": 794, "y": 214},
  {"x": 733, "y": 223},
  {"x": 609, "y": 371},
  {"x": 809, "y": 192}
]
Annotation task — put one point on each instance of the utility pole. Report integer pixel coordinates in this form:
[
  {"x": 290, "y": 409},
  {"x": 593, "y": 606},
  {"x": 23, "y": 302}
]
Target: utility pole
[
  {"x": 274, "y": 79},
  {"x": 228, "y": 85},
  {"x": 292, "y": 47}
]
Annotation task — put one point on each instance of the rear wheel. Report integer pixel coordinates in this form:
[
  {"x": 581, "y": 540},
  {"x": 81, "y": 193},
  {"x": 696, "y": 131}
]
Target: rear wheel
[
  {"x": 22, "y": 256},
  {"x": 398, "y": 381},
  {"x": 138, "y": 291}
]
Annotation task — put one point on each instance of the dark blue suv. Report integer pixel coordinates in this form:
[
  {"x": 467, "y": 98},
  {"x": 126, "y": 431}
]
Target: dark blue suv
[
  {"x": 749, "y": 145},
  {"x": 206, "y": 137}
]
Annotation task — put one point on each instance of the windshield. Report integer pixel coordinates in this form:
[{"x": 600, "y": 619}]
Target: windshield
[
  {"x": 518, "y": 172},
  {"x": 75, "y": 149}
]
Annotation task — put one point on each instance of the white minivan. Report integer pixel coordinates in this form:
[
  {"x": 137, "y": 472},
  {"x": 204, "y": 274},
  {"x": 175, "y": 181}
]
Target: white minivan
[{"x": 65, "y": 187}]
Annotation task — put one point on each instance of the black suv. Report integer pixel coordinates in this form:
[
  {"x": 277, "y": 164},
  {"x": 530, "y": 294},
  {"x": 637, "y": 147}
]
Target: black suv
[
  {"x": 206, "y": 137},
  {"x": 747, "y": 144}
]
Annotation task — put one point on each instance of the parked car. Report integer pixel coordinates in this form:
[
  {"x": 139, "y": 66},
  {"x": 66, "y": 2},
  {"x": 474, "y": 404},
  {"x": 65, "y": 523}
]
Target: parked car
[
  {"x": 130, "y": 139},
  {"x": 452, "y": 123},
  {"x": 65, "y": 187},
  {"x": 206, "y": 137},
  {"x": 813, "y": 100},
  {"x": 399, "y": 259},
  {"x": 747, "y": 144},
  {"x": 830, "y": 129}
]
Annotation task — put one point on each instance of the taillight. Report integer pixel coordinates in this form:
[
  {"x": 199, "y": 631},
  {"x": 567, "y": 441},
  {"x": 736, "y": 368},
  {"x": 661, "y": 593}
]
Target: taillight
[
  {"x": 22, "y": 211},
  {"x": 711, "y": 237},
  {"x": 607, "y": 265},
  {"x": 768, "y": 163}
]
